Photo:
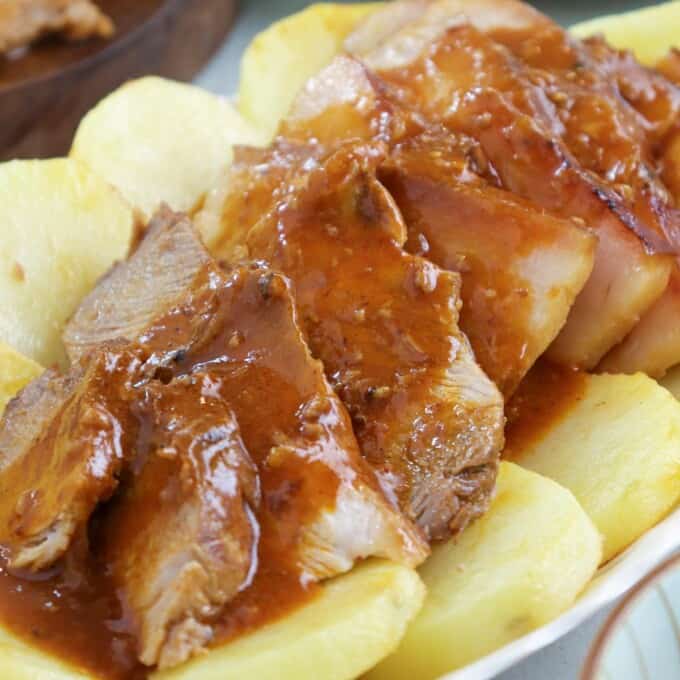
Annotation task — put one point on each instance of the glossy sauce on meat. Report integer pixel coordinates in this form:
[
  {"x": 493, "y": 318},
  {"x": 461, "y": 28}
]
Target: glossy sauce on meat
[
  {"x": 383, "y": 322},
  {"x": 545, "y": 396},
  {"x": 236, "y": 334}
]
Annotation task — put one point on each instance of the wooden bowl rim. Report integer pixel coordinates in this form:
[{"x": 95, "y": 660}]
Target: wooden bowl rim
[{"x": 111, "y": 47}]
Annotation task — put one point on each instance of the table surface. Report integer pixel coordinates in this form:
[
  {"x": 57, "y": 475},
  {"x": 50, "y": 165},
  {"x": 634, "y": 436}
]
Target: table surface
[{"x": 563, "y": 659}]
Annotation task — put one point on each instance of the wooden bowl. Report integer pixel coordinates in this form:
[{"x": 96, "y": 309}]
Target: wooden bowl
[{"x": 45, "y": 93}]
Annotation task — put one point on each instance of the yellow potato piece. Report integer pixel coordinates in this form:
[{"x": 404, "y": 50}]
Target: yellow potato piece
[
  {"x": 20, "y": 661},
  {"x": 618, "y": 451},
  {"x": 518, "y": 567},
  {"x": 650, "y": 32},
  {"x": 61, "y": 228},
  {"x": 158, "y": 140},
  {"x": 278, "y": 61},
  {"x": 357, "y": 620},
  {"x": 16, "y": 371}
]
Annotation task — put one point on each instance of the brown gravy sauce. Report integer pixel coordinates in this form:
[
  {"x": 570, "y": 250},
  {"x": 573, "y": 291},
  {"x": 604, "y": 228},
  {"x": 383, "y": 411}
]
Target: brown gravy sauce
[
  {"x": 75, "y": 615},
  {"x": 73, "y": 611},
  {"x": 546, "y": 395}
]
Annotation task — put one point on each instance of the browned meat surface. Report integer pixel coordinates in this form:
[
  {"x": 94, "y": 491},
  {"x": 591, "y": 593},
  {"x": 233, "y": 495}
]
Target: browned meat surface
[
  {"x": 201, "y": 401},
  {"x": 669, "y": 67},
  {"x": 323, "y": 507},
  {"x": 384, "y": 323},
  {"x": 24, "y": 21},
  {"x": 653, "y": 93},
  {"x": 243, "y": 329},
  {"x": 179, "y": 539},
  {"x": 458, "y": 74},
  {"x": 65, "y": 450},
  {"x": 592, "y": 88},
  {"x": 521, "y": 268},
  {"x": 140, "y": 289}
]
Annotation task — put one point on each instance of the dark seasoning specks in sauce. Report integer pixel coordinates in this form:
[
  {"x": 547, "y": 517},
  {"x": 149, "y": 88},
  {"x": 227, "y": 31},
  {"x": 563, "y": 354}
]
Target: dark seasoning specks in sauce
[{"x": 72, "y": 610}]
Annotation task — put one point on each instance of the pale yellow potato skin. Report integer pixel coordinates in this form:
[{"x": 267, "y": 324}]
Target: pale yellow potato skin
[
  {"x": 650, "y": 32},
  {"x": 517, "y": 567},
  {"x": 20, "y": 661},
  {"x": 158, "y": 140},
  {"x": 62, "y": 228},
  {"x": 16, "y": 371},
  {"x": 280, "y": 59},
  {"x": 618, "y": 451},
  {"x": 357, "y": 620},
  {"x": 535, "y": 549}
]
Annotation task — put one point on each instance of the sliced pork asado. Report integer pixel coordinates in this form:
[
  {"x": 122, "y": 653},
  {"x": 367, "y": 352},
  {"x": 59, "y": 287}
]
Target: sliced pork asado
[
  {"x": 163, "y": 269},
  {"x": 230, "y": 456},
  {"x": 384, "y": 323},
  {"x": 614, "y": 116},
  {"x": 521, "y": 268},
  {"x": 448, "y": 66},
  {"x": 241, "y": 327},
  {"x": 179, "y": 540},
  {"x": 23, "y": 21},
  {"x": 64, "y": 442}
]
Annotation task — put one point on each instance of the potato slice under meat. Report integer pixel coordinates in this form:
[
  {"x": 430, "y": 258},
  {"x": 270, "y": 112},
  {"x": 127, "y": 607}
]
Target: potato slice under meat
[
  {"x": 650, "y": 32},
  {"x": 516, "y": 568},
  {"x": 356, "y": 620},
  {"x": 617, "y": 448},
  {"x": 279, "y": 60}
]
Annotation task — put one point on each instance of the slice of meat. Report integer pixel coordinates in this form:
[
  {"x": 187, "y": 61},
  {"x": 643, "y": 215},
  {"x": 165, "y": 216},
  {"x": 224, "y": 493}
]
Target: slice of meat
[
  {"x": 592, "y": 88},
  {"x": 653, "y": 346},
  {"x": 65, "y": 440},
  {"x": 242, "y": 329},
  {"x": 25, "y": 416},
  {"x": 138, "y": 290},
  {"x": 454, "y": 73},
  {"x": 180, "y": 538},
  {"x": 521, "y": 268},
  {"x": 654, "y": 93},
  {"x": 323, "y": 508},
  {"x": 668, "y": 67},
  {"x": 383, "y": 322},
  {"x": 23, "y": 21}
]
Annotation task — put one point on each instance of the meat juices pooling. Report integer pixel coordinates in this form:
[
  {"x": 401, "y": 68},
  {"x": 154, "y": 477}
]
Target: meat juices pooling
[{"x": 211, "y": 504}]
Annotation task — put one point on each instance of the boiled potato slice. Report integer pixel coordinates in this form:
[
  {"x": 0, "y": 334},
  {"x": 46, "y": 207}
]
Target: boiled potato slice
[
  {"x": 357, "y": 620},
  {"x": 650, "y": 32},
  {"x": 518, "y": 567},
  {"x": 618, "y": 451},
  {"x": 279, "y": 61},
  {"x": 158, "y": 140},
  {"x": 16, "y": 371},
  {"x": 61, "y": 227},
  {"x": 20, "y": 661}
]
